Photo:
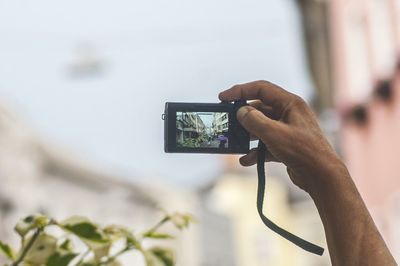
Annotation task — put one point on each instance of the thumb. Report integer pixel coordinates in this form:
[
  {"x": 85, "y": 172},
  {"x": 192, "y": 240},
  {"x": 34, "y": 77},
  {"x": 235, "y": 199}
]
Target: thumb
[{"x": 257, "y": 123}]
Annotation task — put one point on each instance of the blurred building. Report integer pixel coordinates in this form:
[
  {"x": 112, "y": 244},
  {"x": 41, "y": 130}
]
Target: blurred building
[
  {"x": 353, "y": 50},
  {"x": 36, "y": 177},
  {"x": 233, "y": 233}
]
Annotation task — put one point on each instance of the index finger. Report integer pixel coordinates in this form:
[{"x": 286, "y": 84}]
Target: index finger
[{"x": 270, "y": 94}]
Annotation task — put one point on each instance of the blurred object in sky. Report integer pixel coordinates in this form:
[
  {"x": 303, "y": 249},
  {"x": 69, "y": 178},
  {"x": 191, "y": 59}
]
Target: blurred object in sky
[
  {"x": 356, "y": 45},
  {"x": 85, "y": 62}
]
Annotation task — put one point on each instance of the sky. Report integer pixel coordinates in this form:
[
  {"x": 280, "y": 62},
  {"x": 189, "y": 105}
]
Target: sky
[
  {"x": 145, "y": 53},
  {"x": 207, "y": 118}
]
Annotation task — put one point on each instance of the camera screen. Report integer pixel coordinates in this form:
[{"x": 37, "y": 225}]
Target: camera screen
[{"x": 202, "y": 130}]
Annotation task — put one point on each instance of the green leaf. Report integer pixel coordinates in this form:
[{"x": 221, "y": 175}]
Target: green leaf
[
  {"x": 159, "y": 256},
  {"x": 44, "y": 247},
  {"x": 90, "y": 234},
  {"x": 157, "y": 235},
  {"x": 31, "y": 222},
  {"x": 84, "y": 228},
  {"x": 7, "y": 250},
  {"x": 58, "y": 259}
]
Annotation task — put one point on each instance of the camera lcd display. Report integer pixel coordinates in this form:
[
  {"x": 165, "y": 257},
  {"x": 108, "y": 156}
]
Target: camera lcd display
[{"x": 202, "y": 130}]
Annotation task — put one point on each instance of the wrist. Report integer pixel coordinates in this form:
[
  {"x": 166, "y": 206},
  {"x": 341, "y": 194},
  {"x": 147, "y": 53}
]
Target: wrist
[{"x": 329, "y": 176}]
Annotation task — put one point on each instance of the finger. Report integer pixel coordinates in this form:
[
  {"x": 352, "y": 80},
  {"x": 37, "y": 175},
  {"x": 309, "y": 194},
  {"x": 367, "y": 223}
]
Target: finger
[
  {"x": 257, "y": 124},
  {"x": 265, "y": 109},
  {"x": 270, "y": 94},
  {"x": 251, "y": 158}
]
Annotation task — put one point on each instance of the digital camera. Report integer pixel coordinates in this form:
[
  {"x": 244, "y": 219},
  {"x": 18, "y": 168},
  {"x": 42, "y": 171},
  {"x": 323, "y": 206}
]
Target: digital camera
[{"x": 204, "y": 128}]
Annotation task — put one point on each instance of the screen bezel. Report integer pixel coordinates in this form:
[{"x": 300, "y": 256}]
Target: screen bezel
[{"x": 235, "y": 145}]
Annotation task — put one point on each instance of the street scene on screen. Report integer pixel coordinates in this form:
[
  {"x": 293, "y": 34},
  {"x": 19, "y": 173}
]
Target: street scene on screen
[{"x": 202, "y": 129}]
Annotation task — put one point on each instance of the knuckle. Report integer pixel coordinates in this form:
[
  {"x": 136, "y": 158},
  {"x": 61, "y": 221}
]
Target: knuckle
[
  {"x": 236, "y": 86},
  {"x": 298, "y": 102},
  {"x": 261, "y": 83}
]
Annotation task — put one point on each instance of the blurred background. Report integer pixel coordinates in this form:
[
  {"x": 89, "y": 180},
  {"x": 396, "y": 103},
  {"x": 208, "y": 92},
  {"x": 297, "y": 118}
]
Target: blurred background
[{"x": 83, "y": 86}]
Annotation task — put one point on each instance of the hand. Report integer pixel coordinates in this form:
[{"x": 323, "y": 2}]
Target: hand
[{"x": 289, "y": 129}]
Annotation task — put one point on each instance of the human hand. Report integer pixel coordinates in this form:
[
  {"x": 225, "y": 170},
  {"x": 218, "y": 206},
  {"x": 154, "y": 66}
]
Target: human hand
[{"x": 289, "y": 129}]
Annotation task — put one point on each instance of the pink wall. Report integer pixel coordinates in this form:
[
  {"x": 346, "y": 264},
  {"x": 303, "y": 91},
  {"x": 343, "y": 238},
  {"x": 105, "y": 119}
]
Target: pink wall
[{"x": 371, "y": 150}]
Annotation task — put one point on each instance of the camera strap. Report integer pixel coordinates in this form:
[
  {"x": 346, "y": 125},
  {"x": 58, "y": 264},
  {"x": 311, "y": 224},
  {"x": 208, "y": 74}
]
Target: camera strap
[{"x": 260, "y": 202}]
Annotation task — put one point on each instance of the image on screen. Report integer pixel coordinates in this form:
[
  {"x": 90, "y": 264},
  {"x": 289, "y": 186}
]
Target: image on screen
[{"x": 202, "y": 130}]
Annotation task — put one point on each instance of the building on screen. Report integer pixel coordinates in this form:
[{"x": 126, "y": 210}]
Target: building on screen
[
  {"x": 220, "y": 123},
  {"x": 188, "y": 125}
]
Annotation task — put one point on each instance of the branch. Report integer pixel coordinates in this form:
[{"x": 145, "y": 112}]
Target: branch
[
  {"x": 114, "y": 257},
  {"x": 158, "y": 225},
  {"x": 27, "y": 247}
]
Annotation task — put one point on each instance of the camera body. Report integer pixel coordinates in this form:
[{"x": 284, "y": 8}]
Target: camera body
[{"x": 204, "y": 128}]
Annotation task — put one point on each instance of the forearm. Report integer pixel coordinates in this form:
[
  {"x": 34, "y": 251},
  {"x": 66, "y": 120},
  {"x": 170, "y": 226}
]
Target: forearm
[{"x": 352, "y": 236}]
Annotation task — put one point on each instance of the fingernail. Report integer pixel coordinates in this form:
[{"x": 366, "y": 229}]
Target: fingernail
[{"x": 242, "y": 112}]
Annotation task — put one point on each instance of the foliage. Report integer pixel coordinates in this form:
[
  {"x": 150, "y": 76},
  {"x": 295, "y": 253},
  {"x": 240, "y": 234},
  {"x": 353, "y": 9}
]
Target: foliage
[
  {"x": 40, "y": 248},
  {"x": 194, "y": 142}
]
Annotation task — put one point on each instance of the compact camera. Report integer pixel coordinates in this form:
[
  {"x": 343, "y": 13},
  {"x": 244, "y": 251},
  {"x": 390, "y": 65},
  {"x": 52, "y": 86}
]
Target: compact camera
[{"x": 204, "y": 128}]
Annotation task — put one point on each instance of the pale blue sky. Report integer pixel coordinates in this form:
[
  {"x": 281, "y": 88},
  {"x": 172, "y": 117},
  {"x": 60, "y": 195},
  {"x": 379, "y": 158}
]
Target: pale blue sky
[
  {"x": 151, "y": 52},
  {"x": 207, "y": 118}
]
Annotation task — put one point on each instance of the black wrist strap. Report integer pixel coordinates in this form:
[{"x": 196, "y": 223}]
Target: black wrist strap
[{"x": 260, "y": 202}]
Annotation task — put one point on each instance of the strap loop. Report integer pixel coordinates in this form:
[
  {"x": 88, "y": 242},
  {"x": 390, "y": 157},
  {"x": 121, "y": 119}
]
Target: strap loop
[{"x": 260, "y": 202}]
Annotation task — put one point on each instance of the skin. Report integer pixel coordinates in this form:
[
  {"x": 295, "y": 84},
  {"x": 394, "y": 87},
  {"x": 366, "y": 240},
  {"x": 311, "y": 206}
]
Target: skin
[{"x": 290, "y": 131}]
